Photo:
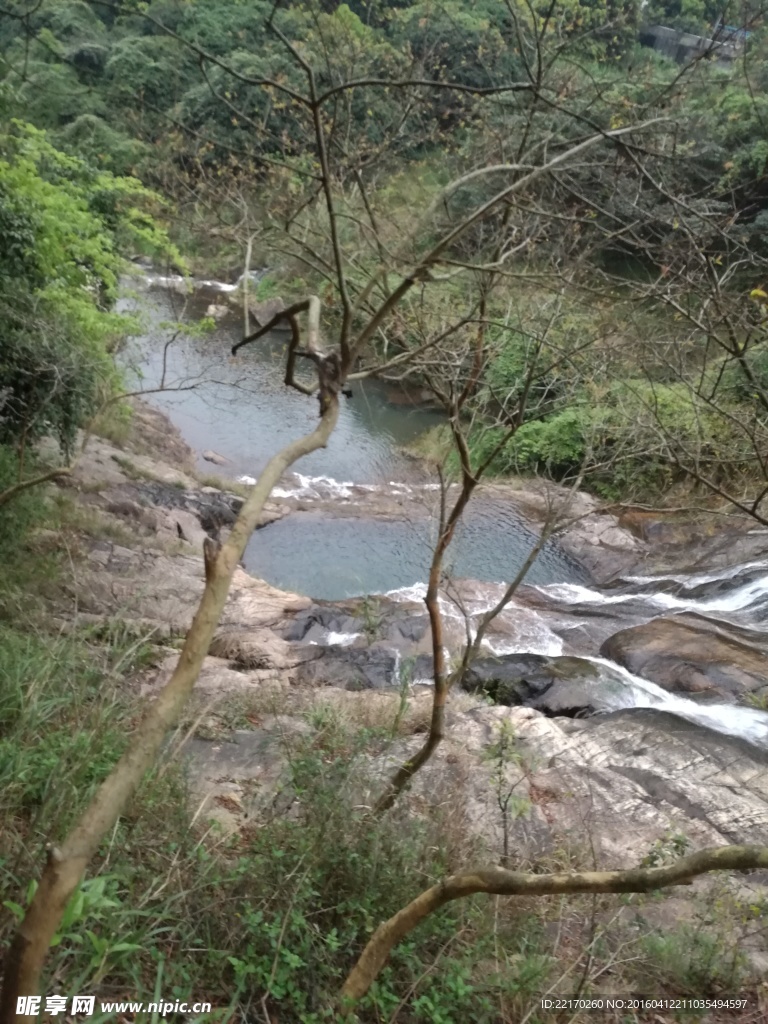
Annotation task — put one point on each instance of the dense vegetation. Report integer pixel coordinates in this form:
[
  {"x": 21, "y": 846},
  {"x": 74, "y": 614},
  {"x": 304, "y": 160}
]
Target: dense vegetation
[
  {"x": 619, "y": 303},
  {"x": 203, "y": 102},
  {"x": 65, "y": 225}
]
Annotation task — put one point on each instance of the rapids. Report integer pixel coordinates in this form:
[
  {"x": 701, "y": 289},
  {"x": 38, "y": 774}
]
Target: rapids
[{"x": 245, "y": 413}]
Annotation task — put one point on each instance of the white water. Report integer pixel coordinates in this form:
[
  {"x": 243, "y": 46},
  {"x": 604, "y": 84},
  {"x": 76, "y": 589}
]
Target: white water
[
  {"x": 326, "y": 488},
  {"x": 341, "y": 639},
  {"x": 620, "y": 688},
  {"x": 636, "y": 692},
  {"x": 690, "y": 580},
  {"x": 520, "y": 629},
  {"x": 745, "y": 596},
  {"x": 532, "y": 633},
  {"x": 189, "y": 285}
]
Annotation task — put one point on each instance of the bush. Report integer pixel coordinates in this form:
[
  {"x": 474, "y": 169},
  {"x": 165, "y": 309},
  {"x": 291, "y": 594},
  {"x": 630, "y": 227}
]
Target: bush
[
  {"x": 19, "y": 515},
  {"x": 273, "y": 917},
  {"x": 66, "y": 224},
  {"x": 626, "y": 437},
  {"x": 54, "y": 379}
]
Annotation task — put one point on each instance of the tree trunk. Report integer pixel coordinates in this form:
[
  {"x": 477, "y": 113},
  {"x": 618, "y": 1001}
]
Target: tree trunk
[{"x": 67, "y": 863}]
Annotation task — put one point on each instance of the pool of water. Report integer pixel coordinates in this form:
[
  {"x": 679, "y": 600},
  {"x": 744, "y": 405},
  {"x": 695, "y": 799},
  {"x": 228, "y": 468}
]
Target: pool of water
[
  {"x": 334, "y": 558},
  {"x": 241, "y": 408}
]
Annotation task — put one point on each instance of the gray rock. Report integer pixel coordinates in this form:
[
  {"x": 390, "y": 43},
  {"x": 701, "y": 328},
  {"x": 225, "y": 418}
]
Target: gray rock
[
  {"x": 263, "y": 312},
  {"x": 555, "y": 686},
  {"x": 692, "y": 653},
  {"x": 609, "y": 786},
  {"x": 370, "y": 668},
  {"x": 213, "y": 510},
  {"x": 314, "y": 625},
  {"x": 215, "y": 458}
]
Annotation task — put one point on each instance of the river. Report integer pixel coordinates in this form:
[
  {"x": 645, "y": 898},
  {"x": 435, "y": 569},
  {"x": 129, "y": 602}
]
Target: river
[{"x": 241, "y": 409}]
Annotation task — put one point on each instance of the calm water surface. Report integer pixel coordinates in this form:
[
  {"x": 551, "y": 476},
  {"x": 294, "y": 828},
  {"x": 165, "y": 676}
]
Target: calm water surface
[{"x": 241, "y": 409}]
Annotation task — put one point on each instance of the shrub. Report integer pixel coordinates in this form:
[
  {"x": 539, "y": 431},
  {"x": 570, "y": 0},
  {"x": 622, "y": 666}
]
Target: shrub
[{"x": 627, "y": 438}]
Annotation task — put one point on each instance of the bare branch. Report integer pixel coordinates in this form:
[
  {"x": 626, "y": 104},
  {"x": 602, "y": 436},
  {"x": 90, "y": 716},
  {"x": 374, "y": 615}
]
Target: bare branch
[{"x": 501, "y": 882}]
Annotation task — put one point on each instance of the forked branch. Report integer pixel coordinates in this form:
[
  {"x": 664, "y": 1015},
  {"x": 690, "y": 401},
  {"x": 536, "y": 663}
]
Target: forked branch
[{"x": 500, "y": 882}]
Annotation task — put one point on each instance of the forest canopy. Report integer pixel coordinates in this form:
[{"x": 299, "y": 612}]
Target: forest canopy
[{"x": 205, "y": 103}]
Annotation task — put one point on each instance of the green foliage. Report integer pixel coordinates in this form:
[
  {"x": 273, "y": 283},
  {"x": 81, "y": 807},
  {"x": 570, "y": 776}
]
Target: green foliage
[
  {"x": 138, "y": 70},
  {"x": 745, "y": 380},
  {"x": 667, "y": 850},
  {"x": 277, "y": 914},
  {"x": 17, "y": 517},
  {"x": 279, "y": 918},
  {"x": 67, "y": 224},
  {"x": 698, "y": 962},
  {"x": 101, "y": 145},
  {"x": 690, "y": 15},
  {"x": 60, "y": 733},
  {"x": 622, "y": 435}
]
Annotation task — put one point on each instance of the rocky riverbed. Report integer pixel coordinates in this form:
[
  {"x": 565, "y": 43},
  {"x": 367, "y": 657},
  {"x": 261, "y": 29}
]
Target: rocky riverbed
[{"x": 634, "y": 702}]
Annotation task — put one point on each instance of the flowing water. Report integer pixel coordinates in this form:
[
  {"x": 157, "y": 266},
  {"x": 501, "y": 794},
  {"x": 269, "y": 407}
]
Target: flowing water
[{"x": 241, "y": 409}]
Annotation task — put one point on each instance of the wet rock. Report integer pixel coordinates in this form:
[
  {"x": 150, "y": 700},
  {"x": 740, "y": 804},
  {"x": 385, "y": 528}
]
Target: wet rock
[
  {"x": 317, "y": 623},
  {"x": 420, "y": 669},
  {"x": 213, "y": 509},
  {"x": 556, "y": 686},
  {"x": 370, "y": 668},
  {"x": 215, "y": 458},
  {"x": 691, "y": 653},
  {"x": 409, "y": 627}
]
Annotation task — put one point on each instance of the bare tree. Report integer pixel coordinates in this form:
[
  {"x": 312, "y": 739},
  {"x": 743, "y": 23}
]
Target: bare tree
[{"x": 504, "y": 214}]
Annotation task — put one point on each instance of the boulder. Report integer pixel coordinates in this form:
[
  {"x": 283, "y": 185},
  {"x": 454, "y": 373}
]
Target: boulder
[
  {"x": 568, "y": 687},
  {"x": 213, "y": 508},
  {"x": 215, "y": 458},
  {"x": 263, "y": 312},
  {"x": 352, "y": 668},
  {"x": 319, "y": 623},
  {"x": 691, "y": 653}
]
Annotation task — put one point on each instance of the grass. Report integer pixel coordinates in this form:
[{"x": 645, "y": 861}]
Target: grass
[
  {"x": 266, "y": 923},
  {"x": 113, "y": 423}
]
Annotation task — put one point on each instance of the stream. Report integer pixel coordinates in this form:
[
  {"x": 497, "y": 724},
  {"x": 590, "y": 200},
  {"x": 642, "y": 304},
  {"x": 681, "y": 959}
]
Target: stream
[{"x": 242, "y": 410}]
